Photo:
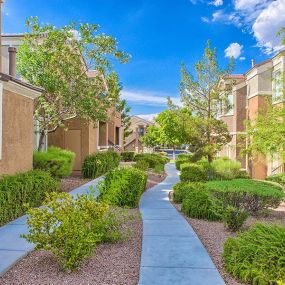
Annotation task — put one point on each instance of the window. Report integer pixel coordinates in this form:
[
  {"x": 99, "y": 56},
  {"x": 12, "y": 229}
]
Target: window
[
  {"x": 278, "y": 86},
  {"x": 141, "y": 130}
]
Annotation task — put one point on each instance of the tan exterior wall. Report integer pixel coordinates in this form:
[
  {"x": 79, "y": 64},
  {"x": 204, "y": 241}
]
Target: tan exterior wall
[{"x": 17, "y": 139}]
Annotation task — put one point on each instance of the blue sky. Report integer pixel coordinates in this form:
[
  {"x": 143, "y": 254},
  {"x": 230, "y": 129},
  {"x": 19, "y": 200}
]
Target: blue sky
[{"x": 162, "y": 34}]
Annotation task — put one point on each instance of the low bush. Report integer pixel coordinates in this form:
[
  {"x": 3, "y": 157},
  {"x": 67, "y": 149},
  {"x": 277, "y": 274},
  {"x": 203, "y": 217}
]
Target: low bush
[
  {"x": 278, "y": 178},
  {"x": 201, "y": 205},
  {"x": 249, "y": 195},
  {"x": 99, "y": 163},
  {"x": 153, "y": 159},
  {"x": 257, "y": 256},
  {"x": 181, "y": 189},
  {"x": 27, "y": 188},
  {"x": 123, "y": 187},
  {"x": 234, "y": 218},
  {"x": 71, "y": 227},
  {"x": 57, "y": 161},
  {"x": 159, "y": 168},
  {"x": 128, "y": 156},
  {"x": 226, "y": 168},
  {"x": 191, "y": 172},
  {"x": 142, "y": 165}
]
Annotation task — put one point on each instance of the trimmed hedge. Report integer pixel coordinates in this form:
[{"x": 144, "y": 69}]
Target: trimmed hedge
[
  {"x": 99, "y": 163},
  {"x": 27, "y": 188},
  {"x": 127, "y": 156},
  {"x": 258, "y": 255},
  {"x": 152, "y": 158},
  {"x": 250, "y": 195},
  {"x": 184, "y": 158},
  {"x": 57, "y": 161},
  {"x": 191, "y": 172},
  {"x": 201, "y": 205},
  {"x": 142, "y": 165},
  {"x": 123, "y": 187},
  {"x": 181, "y": 190}
]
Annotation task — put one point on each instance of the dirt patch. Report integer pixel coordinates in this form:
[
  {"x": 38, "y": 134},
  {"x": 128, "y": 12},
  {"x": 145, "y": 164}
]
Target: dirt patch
[
  {"x": 214, "y": 234},
  {"x": 112, "y": 264},
  {"x": 72, "y": 182},
  {"x": 153, "y": 179}
]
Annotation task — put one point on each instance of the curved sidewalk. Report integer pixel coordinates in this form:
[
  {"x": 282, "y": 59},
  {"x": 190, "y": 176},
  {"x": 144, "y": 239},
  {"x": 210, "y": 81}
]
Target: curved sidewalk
[{"x": 172, "y": 253}]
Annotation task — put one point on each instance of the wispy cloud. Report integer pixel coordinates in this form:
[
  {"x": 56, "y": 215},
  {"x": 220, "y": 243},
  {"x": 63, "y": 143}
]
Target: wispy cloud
[
  {"x": 148, "y": 117},
  {"x": 148, "y": 97}
]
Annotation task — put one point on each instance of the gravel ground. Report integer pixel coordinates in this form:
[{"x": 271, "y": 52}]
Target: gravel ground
[
  {"x": 154, "y": 179},
  {"x": 72, "y": 182},
  {"x": 214, "y": 234},
  {"x": 113, "y": 264}
]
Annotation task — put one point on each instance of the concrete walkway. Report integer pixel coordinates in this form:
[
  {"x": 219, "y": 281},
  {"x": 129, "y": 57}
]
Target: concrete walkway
[
  {"x": 12, "y": 246},
  {"x": 172, "y": 254}
]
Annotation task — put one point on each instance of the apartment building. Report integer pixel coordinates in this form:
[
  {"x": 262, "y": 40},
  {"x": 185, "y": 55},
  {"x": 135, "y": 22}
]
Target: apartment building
[
  {"x": 139, "y": 127},
  {"x": 252, "y": 92}
]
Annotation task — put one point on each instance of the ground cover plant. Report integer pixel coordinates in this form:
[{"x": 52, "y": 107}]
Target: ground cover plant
[
  {"x": 55, "y": 160},
  {"x": 18, "y": 191},
  {"x": 250, "y": 195},
  {"x": 123, "y": 187},
  {"x": 257, "y": 256},
  {"x": 71, "y": 227},
  {"x": 127, "y": 156},
  {"x": 98, "y": 164}
]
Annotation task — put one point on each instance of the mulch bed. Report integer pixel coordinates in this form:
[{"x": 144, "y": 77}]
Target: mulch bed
[
  {"x": 111, "y": 264},
  {"x": 214, "y": 234}
]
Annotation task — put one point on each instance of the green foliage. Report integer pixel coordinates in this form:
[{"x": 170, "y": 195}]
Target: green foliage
[
  {"x": 249, "y": 195},
  {"x": 234, "y": 218},
  {"x": 16, "y": 191},
  {"x": 58, "y": 162},
  {"x": 98, "y": 164},
  {"x": 201, "y": 205},
  {"x": 124, "y": 110},
  {"x": 181, "y": 190},
  {"x": 226, "y": 168},
  {"x": 152, "y": 137},
  {"x": 159, "y": 168},
  {"x": 128, "y": 156},
  {"x": 183, "y": 158},
  {"x": 257, "y": 256},
  {"x": 153, "y": 159},
  {"x": 123, "y": 187},
  {"x": 142, "y": 165},
  {"x": 278, "y": 178},
  {"x": 71, "y": 227},
  {"x": 192, "y": 172},
  {"x": 58, "y": 62}
]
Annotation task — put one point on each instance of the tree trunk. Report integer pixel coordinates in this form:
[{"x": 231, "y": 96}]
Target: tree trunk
[
  {"x": 41, "y": 141},
  {"x": 210, "y": 158}
]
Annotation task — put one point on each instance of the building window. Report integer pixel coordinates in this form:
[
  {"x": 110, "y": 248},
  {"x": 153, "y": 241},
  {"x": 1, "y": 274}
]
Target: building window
[
  {"x": 278, "y": 86},
  {"x": 141, "y": 130}
]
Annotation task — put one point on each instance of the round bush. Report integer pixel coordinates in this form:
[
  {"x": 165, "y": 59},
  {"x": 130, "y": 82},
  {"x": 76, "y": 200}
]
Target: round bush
[
  {"x": 192, "y": 173},
  {"x": 258, "y": 255},
  {"x": 181, "y": 190}
]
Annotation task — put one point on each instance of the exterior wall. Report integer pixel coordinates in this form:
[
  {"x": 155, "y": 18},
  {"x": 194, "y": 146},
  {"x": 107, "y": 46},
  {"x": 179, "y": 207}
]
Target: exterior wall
[{"x": 17, "y": 134}]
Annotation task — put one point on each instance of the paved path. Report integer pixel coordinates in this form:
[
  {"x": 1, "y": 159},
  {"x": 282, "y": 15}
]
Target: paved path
[
  {"x": 12, "y": 246},
  {"x": 172, "y": 254}
]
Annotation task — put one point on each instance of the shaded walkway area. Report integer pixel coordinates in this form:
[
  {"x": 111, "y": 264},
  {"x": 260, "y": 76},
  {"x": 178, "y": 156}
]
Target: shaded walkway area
[
  {"x": 12, "y": 246},
  {"x": 172, "y": 254}
]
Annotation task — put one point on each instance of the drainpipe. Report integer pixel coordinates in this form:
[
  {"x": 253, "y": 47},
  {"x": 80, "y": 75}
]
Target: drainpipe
[{"x": 12, "y": 61}]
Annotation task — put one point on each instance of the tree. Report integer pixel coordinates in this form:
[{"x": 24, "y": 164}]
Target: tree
[
  {"x": 152, "y": 137},
  {"x": 205, "y": 95},
  {"x": 59, "y": 60},
  {"x": 124, "y": 110}
]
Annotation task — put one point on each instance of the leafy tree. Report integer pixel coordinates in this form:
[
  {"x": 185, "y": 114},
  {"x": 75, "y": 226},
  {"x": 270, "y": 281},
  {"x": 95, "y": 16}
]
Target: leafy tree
[
  {"x": 59, "y": 60},
  {"x": 152, "y": 137},
  {"x": 124, "y": 110},
  {"x": 205, "y": 95}
]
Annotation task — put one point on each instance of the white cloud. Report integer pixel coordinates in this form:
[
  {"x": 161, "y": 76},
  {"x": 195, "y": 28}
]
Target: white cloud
[
  {"x": 148, "y": 117},
  {"x": 205, "y": 20},
  {"x": 233, "y": 50},
  {"x": 226, "y": 18},
  {"x": 242, "y": 58},
  {"x": 267, "y": 24},
  {"x": 217, "y": 3},
  {"x": 148, "y": 97}
]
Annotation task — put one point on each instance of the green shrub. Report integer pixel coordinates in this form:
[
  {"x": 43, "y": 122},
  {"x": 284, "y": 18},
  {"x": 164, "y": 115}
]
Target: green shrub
[
  {"x": 99, "y": 163},
  {"x": 183, "y": 158},
  {"x": 243, "y": 174},
  {"x": 26, "y": 188},
  {"x": 142, "y": 165},
  {"x": 278, "y": 178},
  {"x": 226, "y": 168},
  {"x": 257, "y": 256},
  {"x": 181, "y": 190},
  {"x": 201, "y": 205},
  {"x": 234, "y": 218},
  {"x": 153, "y": 159},
  {"x": 57, "y": 161},
  {"x": 71, "y": 227},
  {"x": 123, "y": 187},
  {"x": 159, "y": 168},
  {"x": 128, "y": 156},
  {"x": 192, "y": 173},
  {"x": 249, "y": 195}
]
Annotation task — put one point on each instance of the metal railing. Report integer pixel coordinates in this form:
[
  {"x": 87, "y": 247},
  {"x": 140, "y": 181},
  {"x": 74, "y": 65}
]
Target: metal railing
[{"x": 278, "y": 169}]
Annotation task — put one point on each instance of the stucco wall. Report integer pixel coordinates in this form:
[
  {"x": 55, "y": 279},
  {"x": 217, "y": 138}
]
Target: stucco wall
[{"x": 17, "y": 143}]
